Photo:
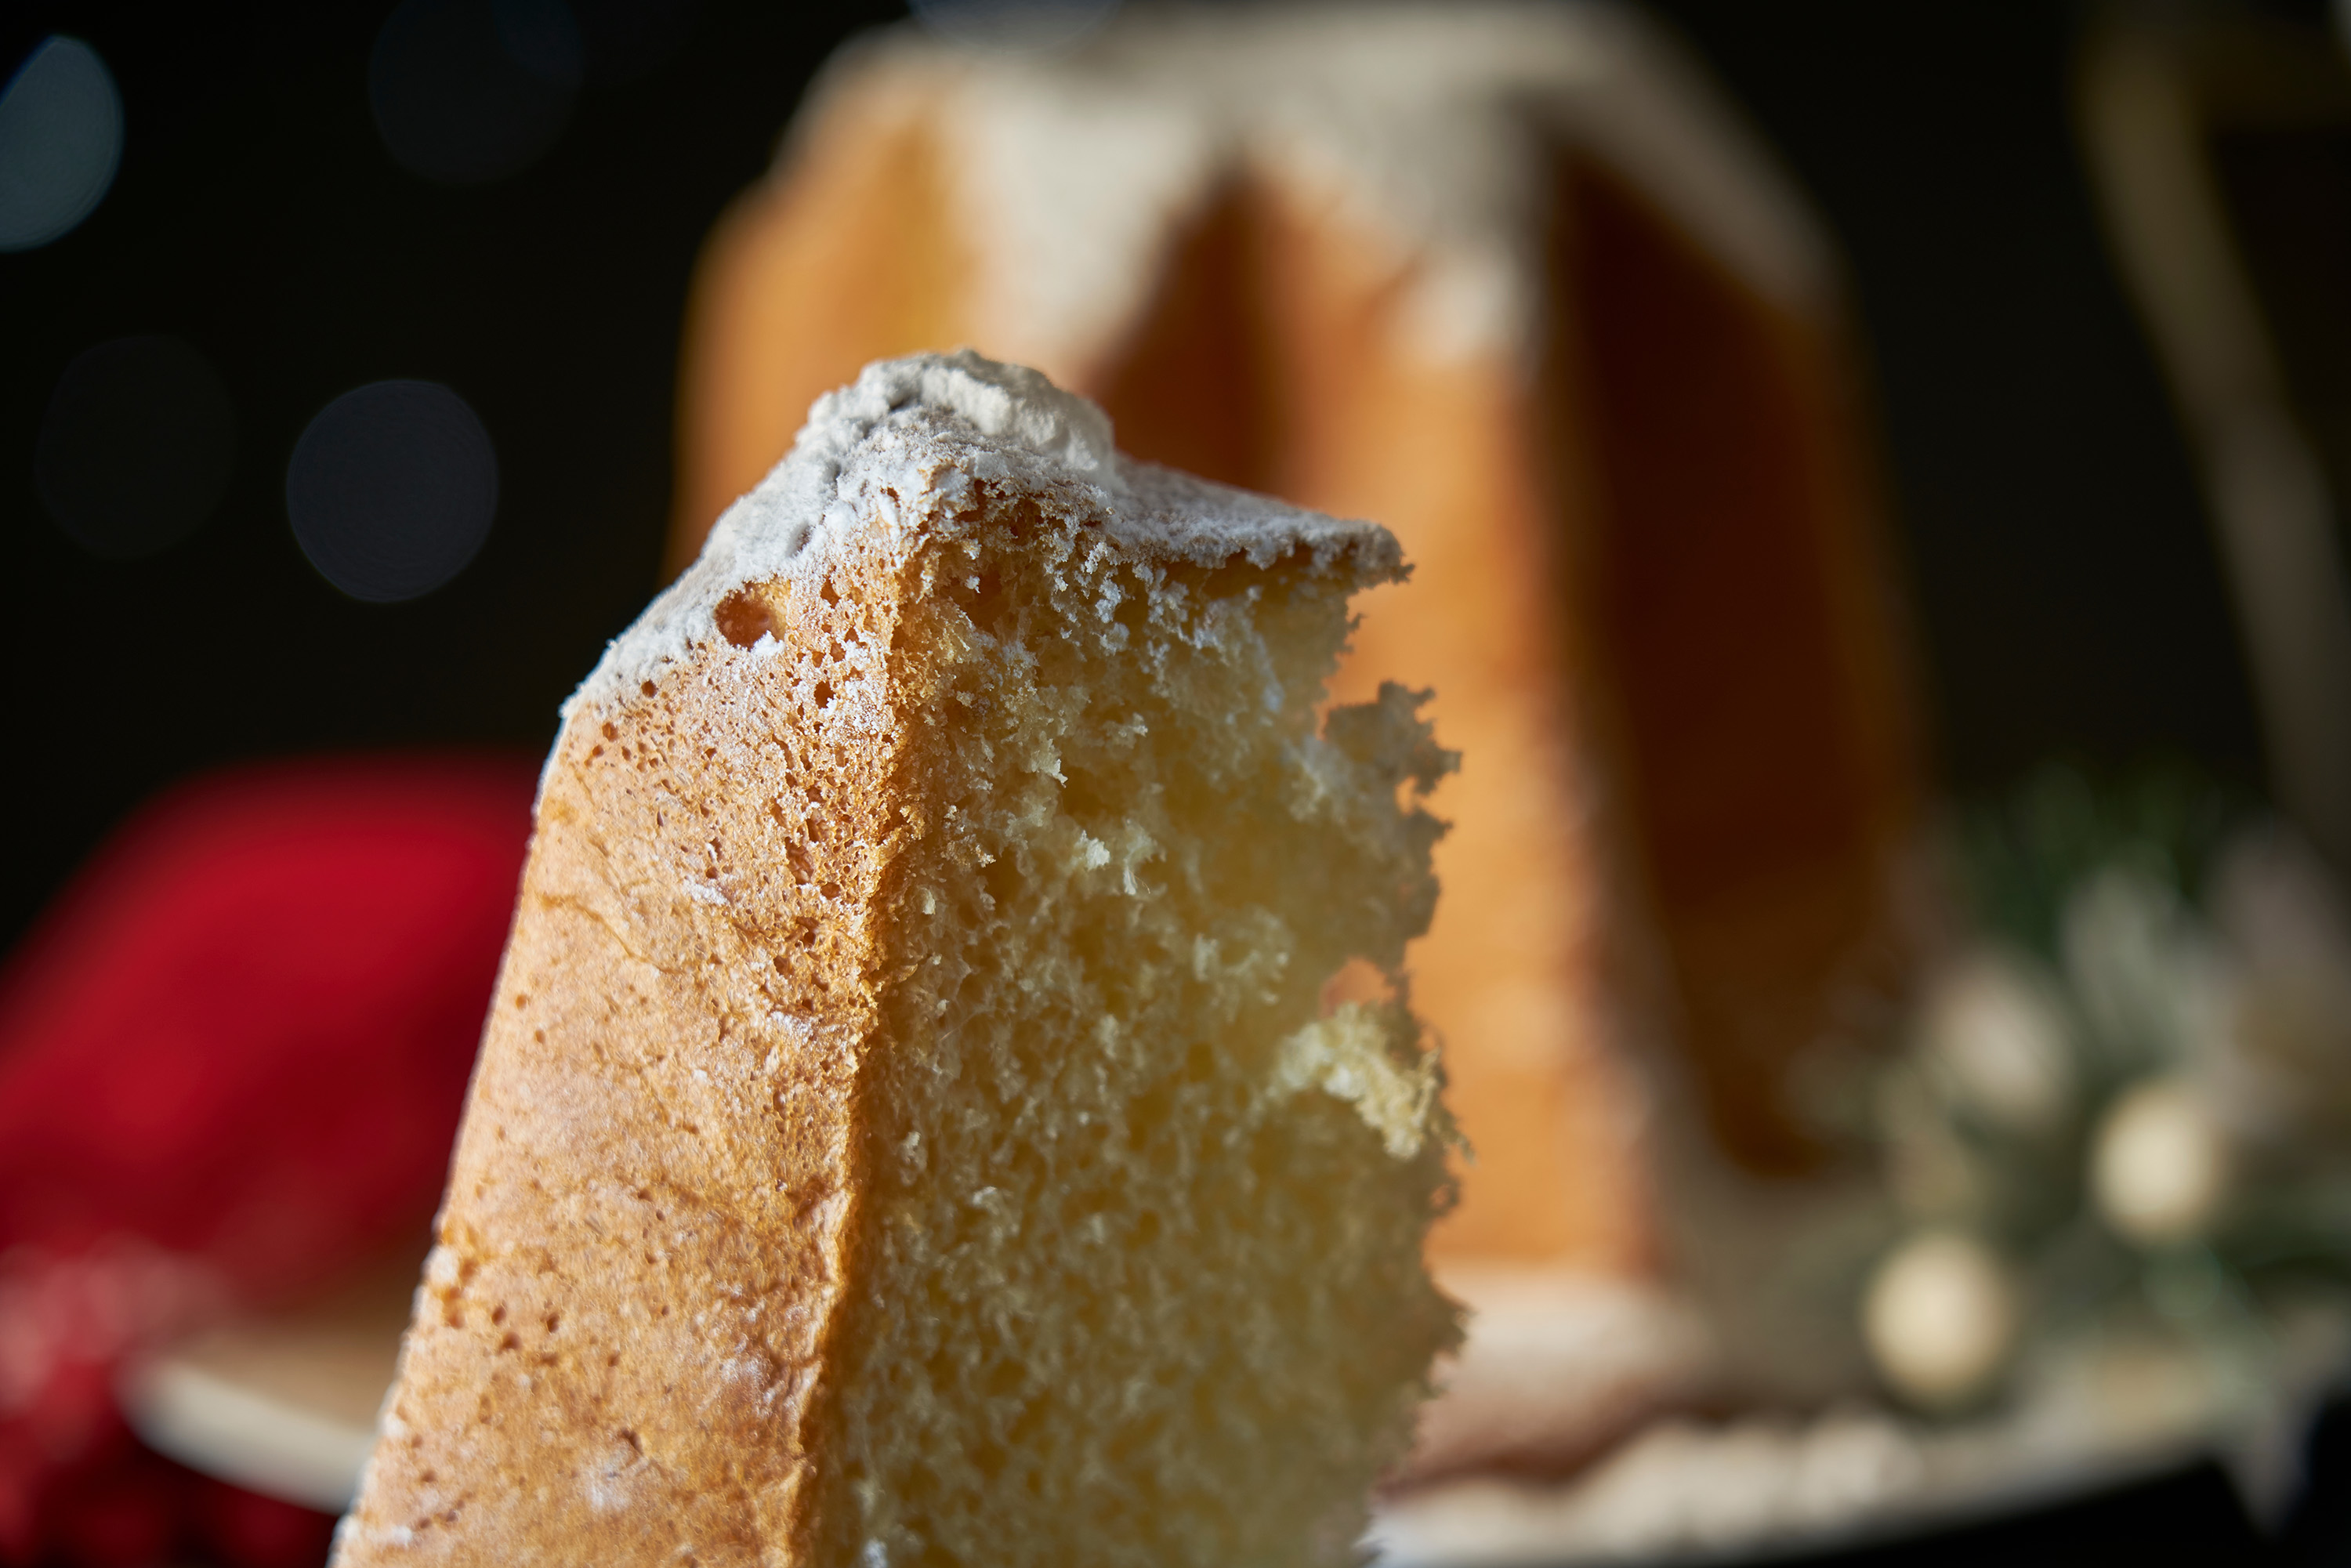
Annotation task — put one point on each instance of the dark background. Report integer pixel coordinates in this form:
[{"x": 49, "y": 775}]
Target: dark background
[{"x": 2068, "y": 600}]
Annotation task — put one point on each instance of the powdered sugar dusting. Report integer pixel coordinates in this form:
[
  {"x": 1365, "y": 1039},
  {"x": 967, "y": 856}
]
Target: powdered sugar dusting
[
  {"x": 907, "y": 438},
  {"x": 1428, "y": 127}
]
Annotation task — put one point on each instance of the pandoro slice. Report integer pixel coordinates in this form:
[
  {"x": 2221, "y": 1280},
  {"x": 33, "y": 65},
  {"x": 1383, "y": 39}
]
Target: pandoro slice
[{"x": 918, "y": 1121}]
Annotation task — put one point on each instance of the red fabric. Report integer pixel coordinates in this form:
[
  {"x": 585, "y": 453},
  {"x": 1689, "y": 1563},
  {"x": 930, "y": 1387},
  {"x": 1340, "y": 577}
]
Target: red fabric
[
  {"x": 241, "y": 1039},
  {"x": 244, "y": 1032}
]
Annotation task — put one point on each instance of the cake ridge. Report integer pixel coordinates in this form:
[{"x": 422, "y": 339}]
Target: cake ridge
[{"x": 1074, "y": 165}]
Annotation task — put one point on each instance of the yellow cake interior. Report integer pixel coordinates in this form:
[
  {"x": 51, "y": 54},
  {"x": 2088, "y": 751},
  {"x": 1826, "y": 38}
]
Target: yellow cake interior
[{"x": 1137, "y": 1218}]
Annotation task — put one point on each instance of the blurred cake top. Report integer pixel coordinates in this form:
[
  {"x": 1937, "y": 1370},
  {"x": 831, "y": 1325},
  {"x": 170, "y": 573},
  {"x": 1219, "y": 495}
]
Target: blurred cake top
[
  {"x": 876, "y": 456},
  {"x": 1431, "y": 126}
]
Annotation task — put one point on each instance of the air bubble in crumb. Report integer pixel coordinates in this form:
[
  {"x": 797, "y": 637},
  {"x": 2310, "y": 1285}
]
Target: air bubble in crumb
[{"x": 743, "y": 617}]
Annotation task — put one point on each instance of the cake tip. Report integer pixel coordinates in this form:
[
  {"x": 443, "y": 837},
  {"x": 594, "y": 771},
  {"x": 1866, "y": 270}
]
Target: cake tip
[{"x": 1011, "y": 403}]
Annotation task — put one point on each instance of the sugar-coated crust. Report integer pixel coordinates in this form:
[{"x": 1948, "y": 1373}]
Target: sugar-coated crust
[
  {"x": 874, "y": 454},
  {"x": 618, "y": 1337},
  {"x": 1422, "y": 122}
]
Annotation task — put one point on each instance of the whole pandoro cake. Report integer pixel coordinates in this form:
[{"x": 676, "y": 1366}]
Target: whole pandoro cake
[
  {"x": 914, "y": 1124},
  {"x": 1510, "y": 280}
]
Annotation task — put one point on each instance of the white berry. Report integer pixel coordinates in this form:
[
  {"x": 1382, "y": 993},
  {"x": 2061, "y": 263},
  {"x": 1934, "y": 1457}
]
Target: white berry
[
  {"x": 2159, "y": 1170},
  {"x": 1940, "y": 1318}
]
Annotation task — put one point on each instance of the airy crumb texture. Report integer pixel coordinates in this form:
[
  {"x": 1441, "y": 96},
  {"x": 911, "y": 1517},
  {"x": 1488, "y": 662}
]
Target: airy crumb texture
[{"x": 910, "y": 1129}]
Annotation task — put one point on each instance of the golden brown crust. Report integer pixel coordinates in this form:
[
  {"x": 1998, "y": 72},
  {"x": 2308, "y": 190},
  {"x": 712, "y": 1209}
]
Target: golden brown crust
[
  {"x": 1764, "y": 735},
  {"x": 616, "y": 1350}
]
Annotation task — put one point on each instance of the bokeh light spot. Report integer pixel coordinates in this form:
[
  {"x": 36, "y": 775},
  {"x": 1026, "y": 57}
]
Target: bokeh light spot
[
  {"x": 1015, "y": 27},
  {"x": 60, "y": 142},
  {"x": 468, "y": 91},
  {"x": 391, "y": 489},
  {"x": 136, "y": 447}
]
